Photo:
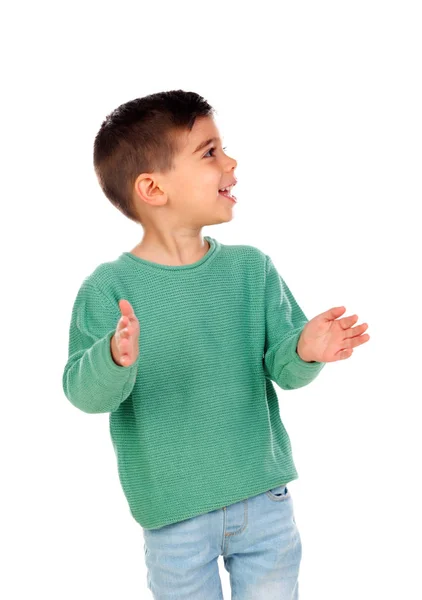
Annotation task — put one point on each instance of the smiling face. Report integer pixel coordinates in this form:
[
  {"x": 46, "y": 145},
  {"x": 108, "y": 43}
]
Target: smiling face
[{"x": 189, "y": 194}]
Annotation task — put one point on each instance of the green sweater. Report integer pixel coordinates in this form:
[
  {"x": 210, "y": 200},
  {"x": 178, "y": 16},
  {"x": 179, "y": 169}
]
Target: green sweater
[{"x": 195, "y": 421}]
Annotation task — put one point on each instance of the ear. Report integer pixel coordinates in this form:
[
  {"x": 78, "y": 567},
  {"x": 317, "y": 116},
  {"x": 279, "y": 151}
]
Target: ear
[{"x": 147, "y": 188}]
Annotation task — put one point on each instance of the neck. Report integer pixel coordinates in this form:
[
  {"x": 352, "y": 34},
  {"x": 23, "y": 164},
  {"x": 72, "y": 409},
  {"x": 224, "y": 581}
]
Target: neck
[{"x": 172, "y": 248}]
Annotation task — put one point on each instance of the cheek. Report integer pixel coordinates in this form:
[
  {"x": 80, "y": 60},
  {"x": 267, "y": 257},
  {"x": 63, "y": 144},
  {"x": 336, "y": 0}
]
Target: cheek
[
  {"x": 207, "y": 184},
  {"x": 195, "y": 184},
  {"x": 212, "y": 179}
]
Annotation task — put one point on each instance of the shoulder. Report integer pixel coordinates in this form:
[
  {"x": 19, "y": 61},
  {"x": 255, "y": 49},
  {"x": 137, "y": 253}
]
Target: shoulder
[
  {"x": 245, "y": 254},
  {"x": 100, "y": 283}
]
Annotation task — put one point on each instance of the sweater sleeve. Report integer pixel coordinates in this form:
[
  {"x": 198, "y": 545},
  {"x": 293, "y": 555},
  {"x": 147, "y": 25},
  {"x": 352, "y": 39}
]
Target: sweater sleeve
[
  {"x": 91, "y": 380},
  {"x": 284, "y": 322}
]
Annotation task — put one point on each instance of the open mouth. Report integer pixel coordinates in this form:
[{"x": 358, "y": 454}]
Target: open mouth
[{"x": 227, "y": 193}]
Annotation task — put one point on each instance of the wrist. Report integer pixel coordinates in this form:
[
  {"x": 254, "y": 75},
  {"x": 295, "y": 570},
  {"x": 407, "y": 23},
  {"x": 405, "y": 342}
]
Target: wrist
[
  {"x": 302, "y": 353},
  {"x": 114, "y": 351}
]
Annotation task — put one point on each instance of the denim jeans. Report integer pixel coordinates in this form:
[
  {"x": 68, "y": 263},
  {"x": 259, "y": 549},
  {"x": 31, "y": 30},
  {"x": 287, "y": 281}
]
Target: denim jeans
[{"x": 257, "y": 537}]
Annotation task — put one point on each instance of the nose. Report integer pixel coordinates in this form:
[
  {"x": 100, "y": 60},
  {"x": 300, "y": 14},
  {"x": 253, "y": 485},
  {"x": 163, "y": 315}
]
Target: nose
[{"x": 231, "y": 164}]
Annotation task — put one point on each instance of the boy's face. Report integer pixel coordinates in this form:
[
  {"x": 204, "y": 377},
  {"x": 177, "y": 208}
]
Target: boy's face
[{"x": 191, "y": 190}]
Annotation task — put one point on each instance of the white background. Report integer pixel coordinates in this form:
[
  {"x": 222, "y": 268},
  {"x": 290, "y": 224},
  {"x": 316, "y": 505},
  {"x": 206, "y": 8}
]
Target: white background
[{"x": 320, "y": 103}]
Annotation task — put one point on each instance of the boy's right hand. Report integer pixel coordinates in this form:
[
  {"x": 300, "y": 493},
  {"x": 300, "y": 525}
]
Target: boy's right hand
[{"x": 125, "y": 341}]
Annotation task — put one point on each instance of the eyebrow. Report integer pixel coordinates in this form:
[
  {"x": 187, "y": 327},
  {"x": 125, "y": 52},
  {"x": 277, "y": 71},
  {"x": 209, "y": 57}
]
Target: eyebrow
[{"x": 205, "y": 143}]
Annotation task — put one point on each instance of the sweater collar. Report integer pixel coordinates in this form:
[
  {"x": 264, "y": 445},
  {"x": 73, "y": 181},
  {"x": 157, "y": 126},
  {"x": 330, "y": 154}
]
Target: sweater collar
[{"x": 214, "y": 245}]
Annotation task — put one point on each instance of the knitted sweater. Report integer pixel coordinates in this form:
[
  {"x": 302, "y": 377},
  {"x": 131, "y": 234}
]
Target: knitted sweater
[{"x": 195, "y": 421}]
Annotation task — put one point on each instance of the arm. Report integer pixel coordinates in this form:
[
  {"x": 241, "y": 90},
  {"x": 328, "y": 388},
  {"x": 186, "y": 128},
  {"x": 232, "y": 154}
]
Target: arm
[
  {"x": 92, "y": 381},
  {"x": 284, "y": 322}
]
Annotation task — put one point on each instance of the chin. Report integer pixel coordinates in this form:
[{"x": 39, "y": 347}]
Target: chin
[{"x": 217, "y": 220}]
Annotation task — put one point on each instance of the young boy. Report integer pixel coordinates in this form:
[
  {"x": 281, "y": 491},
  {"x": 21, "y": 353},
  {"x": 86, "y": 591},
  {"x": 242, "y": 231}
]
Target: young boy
[{"x": 180, "y": 340}]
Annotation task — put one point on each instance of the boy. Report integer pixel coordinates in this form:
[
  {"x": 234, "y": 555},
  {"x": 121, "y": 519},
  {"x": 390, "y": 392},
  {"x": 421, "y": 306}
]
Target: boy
[{"x": 180, "y": 340}]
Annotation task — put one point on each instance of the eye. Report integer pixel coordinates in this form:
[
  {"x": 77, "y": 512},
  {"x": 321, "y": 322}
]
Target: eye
[{"x": 211, "y": 150}]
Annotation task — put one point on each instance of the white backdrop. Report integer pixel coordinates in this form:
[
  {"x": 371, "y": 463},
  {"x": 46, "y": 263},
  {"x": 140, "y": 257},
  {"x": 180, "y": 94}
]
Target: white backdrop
[{"x": 320, "y": 104}]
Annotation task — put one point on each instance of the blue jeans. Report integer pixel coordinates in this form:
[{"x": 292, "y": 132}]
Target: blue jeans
[{"x": 257, "y": 537}]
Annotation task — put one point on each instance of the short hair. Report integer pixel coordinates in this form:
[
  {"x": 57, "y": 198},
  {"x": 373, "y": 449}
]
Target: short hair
[{"x": 139, "y": 137}]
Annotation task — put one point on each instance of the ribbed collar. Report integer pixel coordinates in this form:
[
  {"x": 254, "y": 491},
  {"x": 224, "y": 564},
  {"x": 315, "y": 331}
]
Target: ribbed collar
[{"x": 201, "y": 263}]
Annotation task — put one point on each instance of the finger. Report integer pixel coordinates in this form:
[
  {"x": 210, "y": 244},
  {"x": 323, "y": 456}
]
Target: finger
[
  {"x": 125, "y": 347},
  {"x": 123, "y": 323},
  {"x": 124, "y": 359},
  {"x": 126, "y": 339},
  {"x": 333, "y": 313},
  {"x": 358, "y": 341},
  {"x": 355, "y": 341},
  {"x": 126, "y": 308},
  {"x": 355, "y": 331},
  {"x": 125, "y": 333},
  {"x": 347, "y": 322},
  {"x": 342, "y": 354}
]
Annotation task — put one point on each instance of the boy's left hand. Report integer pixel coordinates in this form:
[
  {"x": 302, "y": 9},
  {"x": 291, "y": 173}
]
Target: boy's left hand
[{"x": 324, "y": 339}]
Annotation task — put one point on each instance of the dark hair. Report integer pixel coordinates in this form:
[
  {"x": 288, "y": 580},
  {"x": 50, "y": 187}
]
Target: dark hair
[{"x": 139, "y": 137}]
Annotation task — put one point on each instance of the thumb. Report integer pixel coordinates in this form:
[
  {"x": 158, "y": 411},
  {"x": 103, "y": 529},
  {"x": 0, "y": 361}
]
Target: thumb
[
  {"x": 334, "y": 312},
  {"x": 126, "y": 308}
]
